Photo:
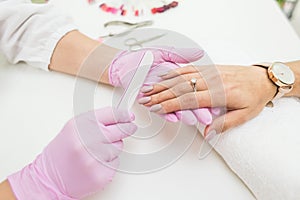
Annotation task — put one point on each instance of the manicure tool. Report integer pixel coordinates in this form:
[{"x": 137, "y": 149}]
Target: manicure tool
[
  {"x": 127, "y": 99},
  {"x": 135, "y": 44},
  {"x": 132, "y": 26}
]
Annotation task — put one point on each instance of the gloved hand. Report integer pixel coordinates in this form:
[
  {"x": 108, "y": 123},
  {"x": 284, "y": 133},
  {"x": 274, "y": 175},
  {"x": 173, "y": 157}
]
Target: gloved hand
[
  {"x": 79, "y": 161},
  {"x": 125, "y": 63}
]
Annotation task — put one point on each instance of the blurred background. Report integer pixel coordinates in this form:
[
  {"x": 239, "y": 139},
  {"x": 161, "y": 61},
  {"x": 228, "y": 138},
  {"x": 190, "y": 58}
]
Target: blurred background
[{"x": 291, "y": 8}]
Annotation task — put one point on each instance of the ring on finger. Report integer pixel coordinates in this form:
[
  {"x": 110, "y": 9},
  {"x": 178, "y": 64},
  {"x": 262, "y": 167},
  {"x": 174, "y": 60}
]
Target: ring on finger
[{"x": 193, "y": 83}]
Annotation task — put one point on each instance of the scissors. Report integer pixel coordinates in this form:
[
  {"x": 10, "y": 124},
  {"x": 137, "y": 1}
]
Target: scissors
[
  {"x": 133, "y": 44},
  {"x": 132, "y": 26}
]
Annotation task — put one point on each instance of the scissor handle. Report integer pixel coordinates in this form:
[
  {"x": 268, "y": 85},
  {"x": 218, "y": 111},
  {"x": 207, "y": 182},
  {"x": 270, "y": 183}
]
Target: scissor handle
[
  {"x": 125, "y": 23},
  {"x": 131, "y": 42},
  {"x": 135, "y": 47}
]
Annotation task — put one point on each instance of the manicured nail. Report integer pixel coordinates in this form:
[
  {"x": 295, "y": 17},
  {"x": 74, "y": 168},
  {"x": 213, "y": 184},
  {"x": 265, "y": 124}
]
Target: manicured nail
[
  {"x": 147, "y": 88},
  {"x": 144, "y": 100},
  {"x": 210, "y": 135},
  {"x": 163, "y": 73},
  {"x": 155, "y": 108}
]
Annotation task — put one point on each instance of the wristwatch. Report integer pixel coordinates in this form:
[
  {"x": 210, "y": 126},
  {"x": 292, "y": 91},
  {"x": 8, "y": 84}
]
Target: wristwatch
[{"x": 281, "y": 75}]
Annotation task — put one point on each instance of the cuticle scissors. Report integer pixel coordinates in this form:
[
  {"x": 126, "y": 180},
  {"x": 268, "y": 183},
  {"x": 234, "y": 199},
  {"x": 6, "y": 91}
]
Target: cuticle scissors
[
  {"x": 134, "y": 44},
  {"x": 132, "y": 26}
]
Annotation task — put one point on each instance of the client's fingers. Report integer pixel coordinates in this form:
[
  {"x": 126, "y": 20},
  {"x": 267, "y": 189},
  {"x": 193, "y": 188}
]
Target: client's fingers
[
  {"x": 205, "y": 74},
  {"x": 169, "y": 83},
  {"x": 176, "y": 91},
  {"x": 227, "y": 121},
  {"x": 187, "y": 101}
]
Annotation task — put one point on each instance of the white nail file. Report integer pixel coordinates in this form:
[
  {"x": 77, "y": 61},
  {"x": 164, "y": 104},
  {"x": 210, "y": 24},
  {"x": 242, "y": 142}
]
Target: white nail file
[{"x": 127, "y": 99}]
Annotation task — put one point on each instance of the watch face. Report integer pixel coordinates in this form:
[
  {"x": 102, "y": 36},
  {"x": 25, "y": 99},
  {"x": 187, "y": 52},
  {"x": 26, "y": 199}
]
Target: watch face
[{"x": 283, "y": 73}]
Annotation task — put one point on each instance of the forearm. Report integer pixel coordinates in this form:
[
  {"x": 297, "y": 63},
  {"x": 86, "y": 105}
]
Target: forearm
[
  {"x": 295, "y": 66},
  {"x": 72, "y": 52},
  {"x": 6, "y": 192}
]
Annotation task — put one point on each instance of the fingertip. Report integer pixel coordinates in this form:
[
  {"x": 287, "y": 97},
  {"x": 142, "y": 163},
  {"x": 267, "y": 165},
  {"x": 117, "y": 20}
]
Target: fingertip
[
  {"x": 133, "y": 128},
  {"x": 171, "y": 117},
  {"x": 118, "y": 144},
  {"x": 124, "y": 115},
  {"x": 190, "y": 54},
  {"x": 113, "y": 164},
  {"x": 128, "y": 129},
  {"x": 198, "y": 53},
  {"x": 215, "y": 111},
  {"x": 187, "y": 117},
  {"x": 147, "y": 88},
  {"x": 205, "y": 131},
  {"x": 132, "y": 116}
]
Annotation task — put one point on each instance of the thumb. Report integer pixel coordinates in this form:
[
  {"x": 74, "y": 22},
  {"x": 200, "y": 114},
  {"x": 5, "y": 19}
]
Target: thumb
[
  {"x": 182, "y": 55},
  {"x": 225, "y": 122},
  {"x": 119, "y": 131}
]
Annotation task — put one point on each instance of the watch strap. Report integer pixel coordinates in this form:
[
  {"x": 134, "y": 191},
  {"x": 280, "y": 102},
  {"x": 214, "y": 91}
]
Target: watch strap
[{"x": 263, "y": 64}]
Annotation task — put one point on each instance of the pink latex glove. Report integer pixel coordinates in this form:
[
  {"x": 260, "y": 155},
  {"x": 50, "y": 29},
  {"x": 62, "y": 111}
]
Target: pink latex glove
[
  {"x": 125, "y": 63},
  {"x": 71, "y": 169}
]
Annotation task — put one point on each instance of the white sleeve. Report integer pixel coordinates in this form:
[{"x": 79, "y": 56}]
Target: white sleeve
[{"x": 29, "y": 32}]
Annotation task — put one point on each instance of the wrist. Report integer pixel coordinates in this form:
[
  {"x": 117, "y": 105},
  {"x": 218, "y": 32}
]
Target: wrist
[
  {"x": 268, "y": 88},
  {"x": 79, "y": 55},
  {"x": 33, "y": 182},
  {"x": 6, "y": 192},
  {"x": 295, "y": 67}
]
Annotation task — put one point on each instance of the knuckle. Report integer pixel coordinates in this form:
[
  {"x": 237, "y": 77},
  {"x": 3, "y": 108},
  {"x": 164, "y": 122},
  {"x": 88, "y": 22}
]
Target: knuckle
[
  {"x": 179, "y": 89},
  {"x": 170, "y": 106},
  {"x": 154, "y": 99},
  {"x": 160, "y": 97},
  {"x": 188, "y": 101}
]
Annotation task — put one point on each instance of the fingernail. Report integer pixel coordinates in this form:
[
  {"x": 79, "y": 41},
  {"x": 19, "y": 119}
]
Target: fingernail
[
  {"x": 144, "y": 100},
  {"x": 155, "y": 108},
  {"x": 163, "y": 73},
  {"x": 147, "y": 88},
  {"x": 210, "y": 135}
]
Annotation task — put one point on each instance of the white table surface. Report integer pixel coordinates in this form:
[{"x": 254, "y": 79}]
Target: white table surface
[{"x": 35, "y": 104}]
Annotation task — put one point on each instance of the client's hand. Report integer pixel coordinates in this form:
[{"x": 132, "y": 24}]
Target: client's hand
[
  {"x": 244, "y": 91},
  {"x": 165, "y": 58},
  {"x": 81, "y": 159}
]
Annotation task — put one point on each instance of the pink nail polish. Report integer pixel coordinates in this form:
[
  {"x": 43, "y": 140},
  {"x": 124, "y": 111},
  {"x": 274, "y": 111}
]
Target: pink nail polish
[
  {"x": 144, "y": 100},
  {"x": 155, "y": 108},
  {"x": 147, "y": 88},
  {"x": 163, "y": 74}
]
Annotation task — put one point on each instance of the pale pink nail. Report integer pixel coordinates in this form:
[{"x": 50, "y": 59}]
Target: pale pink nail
[
  {"x": 164, "y": 73},
  {"x": 210, "y": 135},
  {"x": 155, "y": 108},
  {"x": 144, "y": 100},
  {"x": 147, "y": 88}
]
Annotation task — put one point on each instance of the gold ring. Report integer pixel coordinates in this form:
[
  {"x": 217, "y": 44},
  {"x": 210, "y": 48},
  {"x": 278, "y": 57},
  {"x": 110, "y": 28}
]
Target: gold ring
[{"x": 193, "y": 83}]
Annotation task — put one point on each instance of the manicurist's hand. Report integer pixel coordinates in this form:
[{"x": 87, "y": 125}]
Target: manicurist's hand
[
  {"x": 79, "y": 161},
  {"x": 125, "y": 63},
  {"x": 243, "y": 91}
]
